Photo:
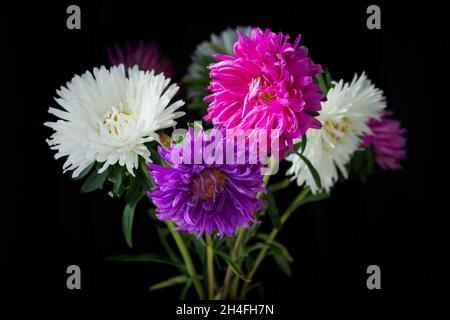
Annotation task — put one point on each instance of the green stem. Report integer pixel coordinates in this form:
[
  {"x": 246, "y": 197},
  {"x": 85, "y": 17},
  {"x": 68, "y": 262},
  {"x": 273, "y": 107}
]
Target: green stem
[
  {"x": 210, "y": 266},
  {"x": 234, "y": 254},
  {"x": 187, "y": 260},
  {"x": 234, "y": 288},
  {"x": 237, "y": 247},
  {"x": 263, "y": 252}
]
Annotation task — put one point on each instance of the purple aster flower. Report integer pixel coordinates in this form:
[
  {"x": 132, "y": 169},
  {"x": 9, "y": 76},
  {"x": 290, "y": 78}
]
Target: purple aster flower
[
  {"x": 387, "y": 140},
  {"x": 214, "y": 195},
  {"x": 146, "y": 55}
]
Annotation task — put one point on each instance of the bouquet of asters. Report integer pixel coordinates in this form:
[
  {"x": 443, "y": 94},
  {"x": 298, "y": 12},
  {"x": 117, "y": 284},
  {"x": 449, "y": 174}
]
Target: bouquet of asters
[{"x": 260, "y": 99}]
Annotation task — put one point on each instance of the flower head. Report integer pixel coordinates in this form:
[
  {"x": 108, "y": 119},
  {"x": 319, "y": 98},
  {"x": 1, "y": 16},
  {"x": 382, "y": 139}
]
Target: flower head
[
  {"x": 107, "y": 116},
  {"x": 267, "y": 84},
  {"x": 198, "y": 72},
  {"x": 344, "y": 119},
  {"x": 387, "y": 140},
  {"x": 207, "y": 197},
  {"x": 147, "y": 56}
]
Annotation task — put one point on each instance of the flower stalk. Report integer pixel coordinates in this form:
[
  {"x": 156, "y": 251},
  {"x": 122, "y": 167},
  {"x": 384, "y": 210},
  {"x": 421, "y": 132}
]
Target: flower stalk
[
  {"x": 187, "y": 260},
  {"x": 237, "y": 246},
  {"x": 263, "y": 252},
  {"x": 210, "y": 266}
]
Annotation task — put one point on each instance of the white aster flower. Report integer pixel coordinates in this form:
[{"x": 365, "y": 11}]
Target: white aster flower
[
  {"x": 107, "y": 116},
  {"x": 344, "y": 116}
]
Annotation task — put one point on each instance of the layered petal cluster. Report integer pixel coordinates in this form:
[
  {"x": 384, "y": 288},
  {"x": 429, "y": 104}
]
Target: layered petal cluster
[
  {"x": 266, "y": 84},
  {"x": 213, "y": 196},
  {"x": 147, "y": 56},
  {"x": 344, "y": 117},
  {"x": 109, "y": 115},
  {"x": 388, "y": 141}
]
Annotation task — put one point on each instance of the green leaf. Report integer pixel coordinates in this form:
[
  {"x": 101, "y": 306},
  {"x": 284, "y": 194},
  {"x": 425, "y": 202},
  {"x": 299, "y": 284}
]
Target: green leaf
[
  {"x": 282, "y": 262},
  {"x": 313, "y": 113},
  {"x": 163, "y": 233},
  {"x": 199, "y": 246},
  {"x": 145, "y": 257},
  {"x": 275, "y": 246},
  {"x": 298, "y": 201},
  {"x": 169, "y": 282},
  {"x": 197, "y": 106},
  {"x": 234, "y": 267},
  {"x": 315, "y": 197},
  {"x": 313, "y": 171},
  {"x": 134, "y": 190},
  {"x": 303, "y": 143},
  {"x": 84, "y": 172},
  {"x": 320, "y": 80},
  {"x": 245, "y": 252},
  {"x": 273, "y": 211},
  {"x": 328, "y": 79},
  {"x": 249, "y": 262},
  {"x": 185, "y": 289},
  {"x": 127, "y": 219},
  {"x": 118, "y": 180},
  {"x": 279, "y": 185},
  {"x": 280, "y": 250},
  {"x": 94, "y": 181}
]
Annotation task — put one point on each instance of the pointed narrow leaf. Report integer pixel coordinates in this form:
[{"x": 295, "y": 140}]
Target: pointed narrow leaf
[
  {"x": 283, "y": 264},
  {"x": 303, "y": 143},
  {"x": 162, "y": 237},
  {"x": 328, "y": 79},
  {"x": 185, "y": 289},
  {"x": 127, "y": 223},
  {"x": 298, "y": 201},
  {"x": 234, "y": 267},
  {"x": 313, "y": 171},
  {"x": 84, "y": 172},
  {"x": 118, "y": 179},
  {"x": 94, "y": 181},
  {"x": 315, "y": 197},
  {"x": 133, "y": 190},
  {"x": 273, "y": 211},
  {"x": 169, "y": 282},
  {"x": 279, "y": 249},
  {"x": 145, "y": 257},
  {"x": 279, "y": 185},
  {"x": 320, "y": 80}
]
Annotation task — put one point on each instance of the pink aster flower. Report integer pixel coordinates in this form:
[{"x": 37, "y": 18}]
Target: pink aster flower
[
  {"x": 267, "y": 84},
  {"x": 388, "y": 141},
  {"x": 146, "y": 55}
]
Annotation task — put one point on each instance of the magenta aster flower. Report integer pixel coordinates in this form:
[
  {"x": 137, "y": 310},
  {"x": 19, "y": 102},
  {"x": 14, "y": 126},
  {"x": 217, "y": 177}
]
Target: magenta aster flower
[
  {"x": 146, "y": 55},
  {"x": 267, "y": 84},
  {"x": 205, "y": 197},
  {"x": 387, "y": 140}
]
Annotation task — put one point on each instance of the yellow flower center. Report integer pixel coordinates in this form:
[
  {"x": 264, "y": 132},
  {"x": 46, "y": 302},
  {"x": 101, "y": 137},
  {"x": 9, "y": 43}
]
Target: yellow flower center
[
  {"x": 204, "y": 186},
  {"x": 115, "y": 120},
  {"x": 267, "y": 96},
  {"x": 336, "y": 130}
]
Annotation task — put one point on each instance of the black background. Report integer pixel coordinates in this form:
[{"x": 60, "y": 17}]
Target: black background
[{"x": 396, "y": 220}]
